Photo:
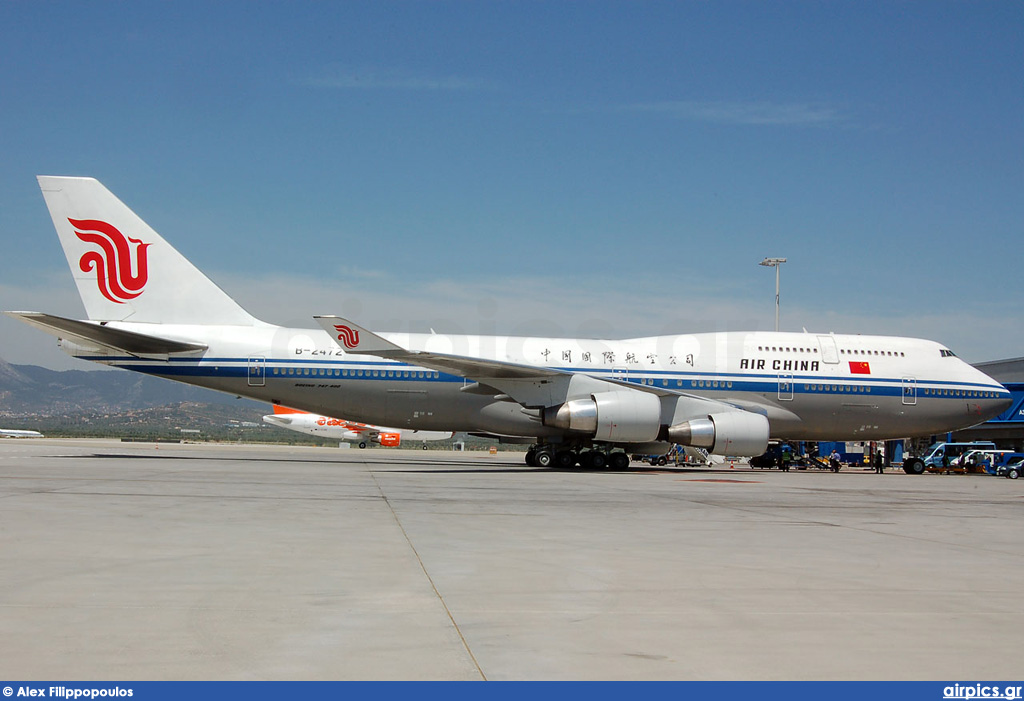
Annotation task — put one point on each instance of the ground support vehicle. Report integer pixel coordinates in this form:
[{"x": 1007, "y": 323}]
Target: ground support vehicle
[
  {"x": 941, "y": 455},
  {"x": 678, "y": 455},
  {"x": 780, "y": 455},
  {"x": 986, "y": 460},
  {"x": 819, "y": 462}
]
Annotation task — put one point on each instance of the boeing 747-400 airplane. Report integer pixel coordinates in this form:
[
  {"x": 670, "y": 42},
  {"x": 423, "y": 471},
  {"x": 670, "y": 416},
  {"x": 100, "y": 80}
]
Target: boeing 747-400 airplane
[{"x": 585, "y": 401}]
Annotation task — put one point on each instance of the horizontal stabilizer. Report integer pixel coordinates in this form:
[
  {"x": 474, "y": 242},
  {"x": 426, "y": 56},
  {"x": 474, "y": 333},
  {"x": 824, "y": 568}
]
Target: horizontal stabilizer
[{"x": 91, "y": 333}]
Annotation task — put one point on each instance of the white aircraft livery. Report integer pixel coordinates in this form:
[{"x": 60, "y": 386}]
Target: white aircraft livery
[
  {"x": 578, "y": 401},
  {"x": 19, "y": 433},
  {"x": 349, "y": 431}
]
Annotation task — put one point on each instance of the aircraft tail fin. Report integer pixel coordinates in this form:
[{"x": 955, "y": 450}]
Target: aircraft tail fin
[
  {"x": 278, "y": 409},
  {"x": 124, "y": 270}
]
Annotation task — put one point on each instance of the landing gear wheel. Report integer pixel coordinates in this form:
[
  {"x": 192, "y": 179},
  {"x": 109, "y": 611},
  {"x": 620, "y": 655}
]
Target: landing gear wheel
[
  {"x": 531, "y": 458},
  {"x": 362, "y": 445},
  {"x": 544, "y": 458},
  {"x": 598, "y": 460},
  {"x": 619, "y": 461},
  {"x": 565, "y": 459}
]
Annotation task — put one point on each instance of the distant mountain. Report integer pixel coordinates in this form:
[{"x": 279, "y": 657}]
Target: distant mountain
[
  {"x": 31, "y": 390},
  {"x": 9, "y": 377}
]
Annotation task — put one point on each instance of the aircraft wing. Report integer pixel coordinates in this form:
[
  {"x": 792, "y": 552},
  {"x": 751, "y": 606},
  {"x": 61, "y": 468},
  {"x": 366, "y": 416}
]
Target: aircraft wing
[
  {"x": 361, "y": 341},
  {"x": 489, "y": 373},
  {"x": 529, "y": 385},
  {"x": 91, "y": 334}
]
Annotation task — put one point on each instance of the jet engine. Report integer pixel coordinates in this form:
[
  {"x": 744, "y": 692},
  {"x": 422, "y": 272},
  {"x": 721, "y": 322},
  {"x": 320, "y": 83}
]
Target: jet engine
[
  {"x": 617, "y": 416},
  {"x": 387, "y": 439},
  {"x": 724, "y": 433},
  {"x": 625, "y": 416}
]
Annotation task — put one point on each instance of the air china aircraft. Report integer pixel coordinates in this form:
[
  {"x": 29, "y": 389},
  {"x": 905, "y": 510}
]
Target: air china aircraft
[
  {"x": 585, "y": 401},
  {"x": 351, "y": 431}
]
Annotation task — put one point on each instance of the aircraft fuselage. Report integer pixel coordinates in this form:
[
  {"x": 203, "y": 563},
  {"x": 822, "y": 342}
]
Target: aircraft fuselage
[{"x": 810, "y": 387}]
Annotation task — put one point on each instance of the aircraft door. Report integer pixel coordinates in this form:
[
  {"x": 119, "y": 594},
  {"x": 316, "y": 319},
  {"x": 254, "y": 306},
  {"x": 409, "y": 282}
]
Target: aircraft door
[
  {"x": 909, "y": 391},
  {"x": 786, "y": 386},
  {"x": 257, "y": 372},
  {"x": 829, "y": 352}
]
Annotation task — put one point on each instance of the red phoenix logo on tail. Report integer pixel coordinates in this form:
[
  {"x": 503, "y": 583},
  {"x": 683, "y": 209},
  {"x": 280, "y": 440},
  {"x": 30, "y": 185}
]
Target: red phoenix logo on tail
[
  {"x": 348, "y": 336},
  {"x": 113, "y": 262}
]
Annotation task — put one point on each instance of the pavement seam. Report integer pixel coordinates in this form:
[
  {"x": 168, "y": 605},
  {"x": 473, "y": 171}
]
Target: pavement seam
[{"x": 398, "y": 521}]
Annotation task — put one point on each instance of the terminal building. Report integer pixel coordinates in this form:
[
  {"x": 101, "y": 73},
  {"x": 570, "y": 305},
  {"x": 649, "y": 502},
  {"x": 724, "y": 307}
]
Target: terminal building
[{"x": 1007, "y": 429}]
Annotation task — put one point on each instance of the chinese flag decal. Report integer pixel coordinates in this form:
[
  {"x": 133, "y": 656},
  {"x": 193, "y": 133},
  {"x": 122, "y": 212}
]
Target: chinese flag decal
[{"x": 860, "y": 368}]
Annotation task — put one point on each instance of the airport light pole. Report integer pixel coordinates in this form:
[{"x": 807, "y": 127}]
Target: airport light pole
[{"x": 775, "y": 263}]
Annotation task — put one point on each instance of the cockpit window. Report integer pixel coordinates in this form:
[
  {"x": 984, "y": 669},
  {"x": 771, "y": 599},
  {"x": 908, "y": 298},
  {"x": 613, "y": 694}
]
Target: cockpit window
[{"x": 947, "y": 353}]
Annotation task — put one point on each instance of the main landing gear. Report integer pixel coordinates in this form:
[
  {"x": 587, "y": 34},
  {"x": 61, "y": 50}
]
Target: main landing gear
[{"x": 566, "y": 458}]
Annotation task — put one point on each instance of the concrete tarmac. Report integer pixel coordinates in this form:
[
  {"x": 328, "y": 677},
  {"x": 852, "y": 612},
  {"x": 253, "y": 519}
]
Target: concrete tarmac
[{"x": 131, "y": 561}]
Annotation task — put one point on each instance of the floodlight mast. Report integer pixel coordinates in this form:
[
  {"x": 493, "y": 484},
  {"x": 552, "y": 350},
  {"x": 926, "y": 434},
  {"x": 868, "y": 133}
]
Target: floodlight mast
[{"x": 775, "y": 263}]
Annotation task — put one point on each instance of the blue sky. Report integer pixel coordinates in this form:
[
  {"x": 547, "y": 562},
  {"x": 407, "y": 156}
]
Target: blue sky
[{"x": 580, "y": 168}]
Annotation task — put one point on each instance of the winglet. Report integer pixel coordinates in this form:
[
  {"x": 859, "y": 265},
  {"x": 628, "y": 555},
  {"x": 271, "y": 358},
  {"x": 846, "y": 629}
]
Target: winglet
[{"x": 355, "y": 339}]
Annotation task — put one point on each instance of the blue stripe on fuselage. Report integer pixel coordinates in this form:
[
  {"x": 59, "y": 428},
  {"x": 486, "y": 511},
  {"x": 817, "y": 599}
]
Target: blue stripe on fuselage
[{"x": 677, "y": 381}]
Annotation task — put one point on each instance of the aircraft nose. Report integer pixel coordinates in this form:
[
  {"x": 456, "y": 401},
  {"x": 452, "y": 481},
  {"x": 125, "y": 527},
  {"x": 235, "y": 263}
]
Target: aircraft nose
[
  {"x": 1004, "y": 403},
  {"x": 999, "y": 404}
]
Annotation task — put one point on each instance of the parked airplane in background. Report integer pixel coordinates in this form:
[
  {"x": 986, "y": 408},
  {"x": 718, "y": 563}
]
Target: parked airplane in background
[
  {"x": 350, "y": 431},
  {"x": 17, "y": 433},
  {"x": 578, "y": 400}
]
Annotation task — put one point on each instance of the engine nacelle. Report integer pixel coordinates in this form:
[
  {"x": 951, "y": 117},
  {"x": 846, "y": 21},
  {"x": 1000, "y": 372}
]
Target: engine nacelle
[
  {"x": 618, "y": 416},
  {"x": 389, "y": 440},
  {"x": 724, "y": 433}
]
